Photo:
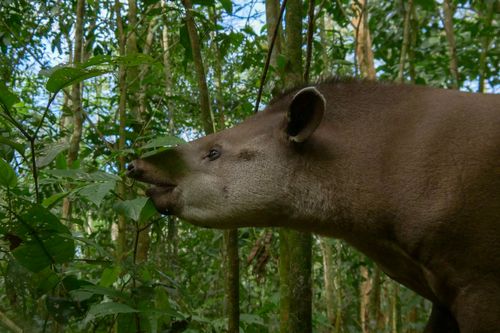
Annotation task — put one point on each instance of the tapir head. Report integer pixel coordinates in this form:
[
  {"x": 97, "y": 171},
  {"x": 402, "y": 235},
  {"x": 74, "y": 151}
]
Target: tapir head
[{"x": 249, "y": 175}]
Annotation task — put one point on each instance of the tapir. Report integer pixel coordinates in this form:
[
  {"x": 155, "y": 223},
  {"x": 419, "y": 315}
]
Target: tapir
[{"x": 409, "y": 175}]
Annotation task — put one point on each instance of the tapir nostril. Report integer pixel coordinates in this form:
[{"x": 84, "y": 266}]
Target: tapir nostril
[{"x": 132, "y": 170}]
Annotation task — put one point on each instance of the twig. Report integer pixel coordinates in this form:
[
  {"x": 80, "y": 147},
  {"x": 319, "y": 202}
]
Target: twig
[
  {"x": 9, "y": 323},
  {"x": 310, "y": 30},
  {"x": 268, "y": 58}
]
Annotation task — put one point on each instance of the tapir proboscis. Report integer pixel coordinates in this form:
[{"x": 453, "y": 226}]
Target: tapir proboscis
[{"x": 408, "y": 175}]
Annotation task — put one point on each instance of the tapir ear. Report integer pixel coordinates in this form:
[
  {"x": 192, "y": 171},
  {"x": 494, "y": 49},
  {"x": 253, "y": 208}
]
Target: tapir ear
[{"x": 305, "y": 114}]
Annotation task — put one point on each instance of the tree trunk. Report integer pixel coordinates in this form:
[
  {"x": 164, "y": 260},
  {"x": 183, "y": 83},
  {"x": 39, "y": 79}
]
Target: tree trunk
[
  {"x": 395, "y": 308},
  {"x": 364, "y": 53},
  {"x": 406, "y": 40},
  {"x": 167, "y": 69},
  {"x": 144, "y": 238},
  {"x": 76, "y": 102},
  {"x": 364, "y": 57},
  {"x": 485, "y": 44},
  {"x": 207, "y": 117},
  {"x": 413, "y": 44},
  {"x": 329, "y": 280},
  {"x": 295, "y": 248},
  {"x": 272, "y": 14},
  {"x": 120, "y": 233},
  {"x": 232, "y": 308},
  {"x": 448, "y": 11},
  {"x": 326, "y": 25},
  {"x": 364, "y": 299}
]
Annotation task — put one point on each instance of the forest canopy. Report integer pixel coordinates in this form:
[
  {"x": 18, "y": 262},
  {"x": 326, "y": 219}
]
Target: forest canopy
[{"x": 86, "y": 86}]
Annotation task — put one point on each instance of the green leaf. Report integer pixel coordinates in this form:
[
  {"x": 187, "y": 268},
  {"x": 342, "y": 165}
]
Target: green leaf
[
  {"x": 109, "y": 308},
  {"x": 97, "y": 60},
  {"x": 68, "y": 173},
  {"x": 53, "y": 199},
  {"x": 45, "y": 240},
  {"x": 8, "y": 177},
  {"x": 163, "y": 141},
  {"x": 227, "y": 5},
  {"x": 45, "y": 280},
  {"x": 86, "y": 292},
  {"x": 109, "y": 276},
  {"x": 154, "y": 152},
  {"x": 17, "y": 146},
  {"x": 95, "y": 193},
  {"x": 7, "y": 98},
  {"x": 50, "y": 153},
  {"x": 207, "y": 3},
  {"x": 66, "y": 76},
  {"x": 135, "y": 209}
]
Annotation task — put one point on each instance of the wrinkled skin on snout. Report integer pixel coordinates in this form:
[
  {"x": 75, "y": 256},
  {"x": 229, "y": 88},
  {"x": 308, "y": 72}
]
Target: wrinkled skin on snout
[{"x": 243, "y": 176}]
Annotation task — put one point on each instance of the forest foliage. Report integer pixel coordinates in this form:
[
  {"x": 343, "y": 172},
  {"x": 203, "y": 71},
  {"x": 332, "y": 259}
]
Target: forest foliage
[{"x": 85, "y": 86}]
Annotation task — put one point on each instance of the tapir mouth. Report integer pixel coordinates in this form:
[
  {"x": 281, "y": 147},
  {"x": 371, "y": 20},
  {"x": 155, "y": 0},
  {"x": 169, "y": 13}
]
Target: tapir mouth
[{"x": 158, "y": 189}]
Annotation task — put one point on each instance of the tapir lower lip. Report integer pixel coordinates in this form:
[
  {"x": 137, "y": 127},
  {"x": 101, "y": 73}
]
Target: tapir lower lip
[{"x": 159, "y": 189}]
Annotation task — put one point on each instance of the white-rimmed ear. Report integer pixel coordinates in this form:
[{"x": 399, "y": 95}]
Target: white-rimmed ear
[{"x": 305, "y": 114}]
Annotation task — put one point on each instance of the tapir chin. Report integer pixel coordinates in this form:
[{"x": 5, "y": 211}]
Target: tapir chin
[{"x": 408, "y": 175}]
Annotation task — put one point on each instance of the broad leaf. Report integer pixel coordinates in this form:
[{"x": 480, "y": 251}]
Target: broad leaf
[
  {"x": 66, "y": 76},
  {"x": 163, "y": 141},
  {"x": 109, "y": 308},
  {"x": 45, "y": 240},
  {"x": 8, "y": 177},
  {"x": 48, "y": 154},
  {"x": 227, "y": 5},
  {"x": 138, "y": 209},
  {"x": 95, "y": 193},
  {"x": 17, "y": 146},
  {"x": 7, "y": 98}
]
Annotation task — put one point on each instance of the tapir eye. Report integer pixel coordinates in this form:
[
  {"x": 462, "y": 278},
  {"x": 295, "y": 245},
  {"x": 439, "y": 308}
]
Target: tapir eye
[{"x": 213, "y": 154}]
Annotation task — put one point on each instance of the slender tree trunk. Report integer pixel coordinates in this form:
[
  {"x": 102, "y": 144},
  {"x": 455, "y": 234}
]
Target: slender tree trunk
[
  {"x": 364, "y": 55},
  {"x": 413, "y": 44},
  {"x": 395, "y": 308},
  {"x": 326, "y": 25},
  {"x": 293, "y": 45},
  {"x": 448, "y": 11},
  {"x": 76, "y": 102},
  {"x": 133, "y": 73},
  {"x": 144, "y": 239},
  {"x": 230, "y": 236},
  {"x": 406, "y": 40},
  {"x": 295, "y": 248},
  {"x": 272, "y": 14},
  {"x": 206, "y": 114},
  {"x": 364, "y": 52},
  {"x": 329, "y": 280},
  {"x": 485, "y": 43},
  {"x": 375, "y": 301},
  {"x": 365, "y": 290},
  {"x": 232, "y": 280},
  {"x": 167, "y": 69},
  {"x": 121, "y": 235}
]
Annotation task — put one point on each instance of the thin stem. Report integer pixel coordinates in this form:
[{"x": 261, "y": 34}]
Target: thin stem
[
  {"x": 310, "y": 31},
  {"x": 268, "y": 58}
]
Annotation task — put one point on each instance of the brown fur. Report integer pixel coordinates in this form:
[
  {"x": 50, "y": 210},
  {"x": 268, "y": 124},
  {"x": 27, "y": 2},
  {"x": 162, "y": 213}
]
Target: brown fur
[{"x": 408, "y": 175}]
